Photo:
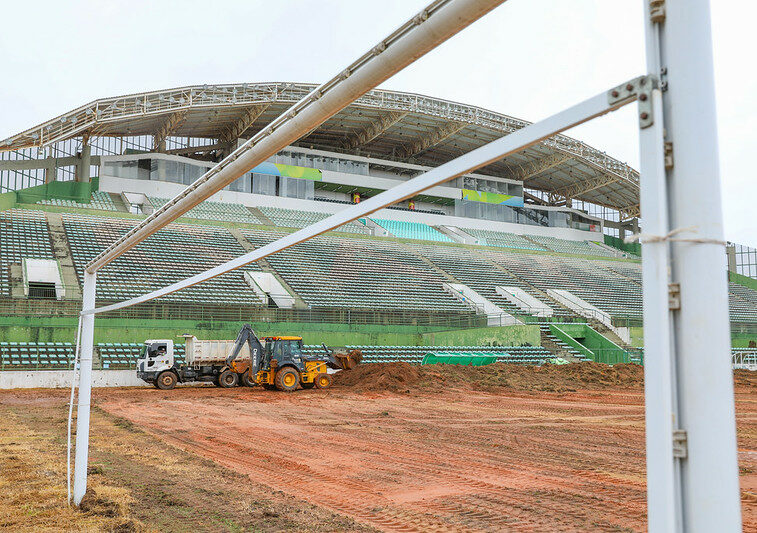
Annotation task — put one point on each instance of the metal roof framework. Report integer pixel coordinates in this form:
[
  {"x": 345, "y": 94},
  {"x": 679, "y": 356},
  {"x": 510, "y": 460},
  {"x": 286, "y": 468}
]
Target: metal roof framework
[{"x": 384, "y": 124}]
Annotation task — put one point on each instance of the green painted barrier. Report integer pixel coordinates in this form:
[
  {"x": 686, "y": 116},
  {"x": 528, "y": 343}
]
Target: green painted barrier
[{"x": 458, "y": 358}]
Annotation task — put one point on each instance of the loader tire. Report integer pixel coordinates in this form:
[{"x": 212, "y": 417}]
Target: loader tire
[
  {"x": 287, "y": 379},
  {"x": 247, "y": 381},
  {"x": 227, "y": 379},
  {"x": 166, "y": 380},
  {"x": 323, "y": 380}
]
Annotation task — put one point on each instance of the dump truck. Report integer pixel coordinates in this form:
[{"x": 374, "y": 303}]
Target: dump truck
[{"x": 274, "y": 362}]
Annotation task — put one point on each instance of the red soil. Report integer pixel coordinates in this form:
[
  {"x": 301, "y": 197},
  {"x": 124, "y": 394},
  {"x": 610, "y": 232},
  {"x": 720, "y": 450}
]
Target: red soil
[{"x": 446, "y": 453}]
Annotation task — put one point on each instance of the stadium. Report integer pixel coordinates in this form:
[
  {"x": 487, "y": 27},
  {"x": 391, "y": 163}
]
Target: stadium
[{"x": 526, "y": 261}]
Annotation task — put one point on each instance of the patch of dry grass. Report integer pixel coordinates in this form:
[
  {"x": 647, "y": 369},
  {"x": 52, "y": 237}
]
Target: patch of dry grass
[{"x": 33, "y": 485}]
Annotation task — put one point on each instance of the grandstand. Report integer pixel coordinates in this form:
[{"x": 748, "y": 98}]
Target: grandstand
[
  {"x": 293, "y": 218},
  {"x": 549, "y": 218},
  {"x": 214, "y": 211}
]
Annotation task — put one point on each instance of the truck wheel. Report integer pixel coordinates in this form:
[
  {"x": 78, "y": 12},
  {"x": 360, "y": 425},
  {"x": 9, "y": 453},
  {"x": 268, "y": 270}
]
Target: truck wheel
[
  {"x": 227, "y": 379},
  {"x": 166, "y": 380},
  {"x": 323, "y": 380},
  {"x": 287, "y": 379},
  {"x": 247, "y": 381}
]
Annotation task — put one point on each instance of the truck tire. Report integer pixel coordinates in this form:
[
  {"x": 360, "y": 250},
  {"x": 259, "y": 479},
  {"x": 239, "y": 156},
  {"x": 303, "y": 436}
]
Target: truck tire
[
  {"x": 323, "y": 380},
  {"x": 287, "y": 379},
  {"x": 166, "y": 380},
  {"x": 227, "y": 379},
  {"x": 247, "y": 381}
]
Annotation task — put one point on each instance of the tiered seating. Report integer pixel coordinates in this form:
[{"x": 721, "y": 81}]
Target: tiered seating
[
  {"x": 23, "y": 234},
  {"x": 501, "y": 239},
  {"x": 743, "y": 303},
  {"x": 570, "y": 247},
  {"x": 480, "y": 275},
  {"x": 587, "y": 279},
  {"x": 36, "y": 355},
  {"x": 114, "y": 355},
  {"x": 411, "y": 230},
  {"x": 100, "y": 200},
  {"x": 528, "y": 355},
  {"x": 208, "y": 210},
  {"x": 170, "y": 255},
  {"x": 293, "y": 218},
  {"x": 358, "y": 274}
]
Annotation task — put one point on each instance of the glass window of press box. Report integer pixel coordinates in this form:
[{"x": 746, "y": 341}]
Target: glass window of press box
[
  {"x": 187, "y": 173},
  {"x": 525, "y": 215},
  {"x": 321, "y": 162}
]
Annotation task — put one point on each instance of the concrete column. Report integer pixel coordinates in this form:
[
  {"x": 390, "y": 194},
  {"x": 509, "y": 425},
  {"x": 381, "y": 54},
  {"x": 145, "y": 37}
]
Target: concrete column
[
  {"x": 50, "y": 169},
  {"x": 82, "y": 165}
]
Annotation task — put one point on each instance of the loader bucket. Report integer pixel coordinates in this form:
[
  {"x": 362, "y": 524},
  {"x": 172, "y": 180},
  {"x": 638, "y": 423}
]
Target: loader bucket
[{"x": 348, "y": 361}]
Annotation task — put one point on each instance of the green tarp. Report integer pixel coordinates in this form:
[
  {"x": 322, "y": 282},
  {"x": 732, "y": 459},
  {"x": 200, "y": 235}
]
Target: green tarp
[{"x": 458, "y": 358}]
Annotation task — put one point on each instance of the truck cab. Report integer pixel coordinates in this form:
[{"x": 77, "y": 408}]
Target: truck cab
[{"x": 155, "y": 356}]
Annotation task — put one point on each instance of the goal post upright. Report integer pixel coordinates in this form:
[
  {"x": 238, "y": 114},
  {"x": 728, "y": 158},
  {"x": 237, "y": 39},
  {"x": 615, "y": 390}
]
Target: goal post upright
[
  {"x": 706, "y": 465},
  {"x": 85, "y": 387}
]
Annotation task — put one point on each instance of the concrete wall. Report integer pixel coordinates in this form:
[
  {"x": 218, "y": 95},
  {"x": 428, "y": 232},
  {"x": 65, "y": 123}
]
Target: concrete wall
[{"x": 53, "y": 379}]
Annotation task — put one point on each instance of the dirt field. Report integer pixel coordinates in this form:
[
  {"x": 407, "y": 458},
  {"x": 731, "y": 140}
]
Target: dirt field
[{"x": 442, "y": 451}]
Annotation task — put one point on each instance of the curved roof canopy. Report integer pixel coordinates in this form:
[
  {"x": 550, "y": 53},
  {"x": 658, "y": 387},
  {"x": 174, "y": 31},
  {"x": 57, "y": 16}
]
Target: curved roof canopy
[{"x": 382, "y": 124}]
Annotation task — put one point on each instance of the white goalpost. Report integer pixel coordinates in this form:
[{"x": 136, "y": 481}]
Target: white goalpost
[{"x": 692, "y": 472}]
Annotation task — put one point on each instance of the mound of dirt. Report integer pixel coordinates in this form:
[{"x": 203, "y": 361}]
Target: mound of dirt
[{"x": 404, "y": 377}]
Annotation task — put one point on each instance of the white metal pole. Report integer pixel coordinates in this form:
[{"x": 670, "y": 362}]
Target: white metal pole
[
  {"x": 439, "y": 21},
  {"x": 709, "y": 472},
  {"x": 663, "y": 480},
  {"x": 658, "y": 381},
  {"x": 85, "y": 389}
]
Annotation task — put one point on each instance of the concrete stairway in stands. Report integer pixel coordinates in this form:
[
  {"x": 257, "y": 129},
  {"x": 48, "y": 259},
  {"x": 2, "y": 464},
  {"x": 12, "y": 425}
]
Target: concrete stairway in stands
[
  {"x": 557, "y": 346},
  {"x": 261, "y": 216},
  {"x": 63, "y": 255},
  {"x": 119, "y": 202},
  {"x": 265, "y": 266}
]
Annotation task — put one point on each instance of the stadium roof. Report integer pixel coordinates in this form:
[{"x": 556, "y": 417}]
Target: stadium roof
[{"x": 383, "y": 124}]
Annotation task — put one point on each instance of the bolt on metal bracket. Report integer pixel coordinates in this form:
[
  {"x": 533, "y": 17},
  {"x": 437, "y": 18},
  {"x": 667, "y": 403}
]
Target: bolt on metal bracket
[
  {"x": 639, "y": 89},
  {"x": 680, "y": 444}
]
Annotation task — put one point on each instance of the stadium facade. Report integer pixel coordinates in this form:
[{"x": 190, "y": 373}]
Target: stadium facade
[{"x": 533, "y": 240}]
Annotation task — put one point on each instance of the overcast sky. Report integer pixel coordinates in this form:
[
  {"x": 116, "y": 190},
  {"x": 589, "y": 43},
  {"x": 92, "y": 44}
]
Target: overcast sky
[{"x": 528, "y": 59}]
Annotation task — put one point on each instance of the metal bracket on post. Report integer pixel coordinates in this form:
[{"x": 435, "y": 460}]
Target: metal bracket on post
[
  {"x": 674, "y": 296},
  {"x": 657, "y": 11},
  {"x": 668, "y": 155},
  {"x": 680, "y": 444},
  {"x": 640, "y": 89}
]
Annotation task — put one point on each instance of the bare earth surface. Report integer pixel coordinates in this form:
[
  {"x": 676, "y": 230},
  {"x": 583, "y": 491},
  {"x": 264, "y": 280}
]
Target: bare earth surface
[{"x": 434, "y": 454}]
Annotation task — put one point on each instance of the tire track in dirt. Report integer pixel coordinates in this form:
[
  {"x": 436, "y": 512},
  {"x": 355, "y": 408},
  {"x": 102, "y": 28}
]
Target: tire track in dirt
[{"x": 436, "y": 462}]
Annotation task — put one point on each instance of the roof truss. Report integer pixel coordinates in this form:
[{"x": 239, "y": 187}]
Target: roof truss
[
  {"x": 534, "y": 168},
  {"x": 248, "y": 118},
  {"x": 373, "y": 130},
  {"x": 427, "y": 140},
  {"x": 171, "y": 124}
]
